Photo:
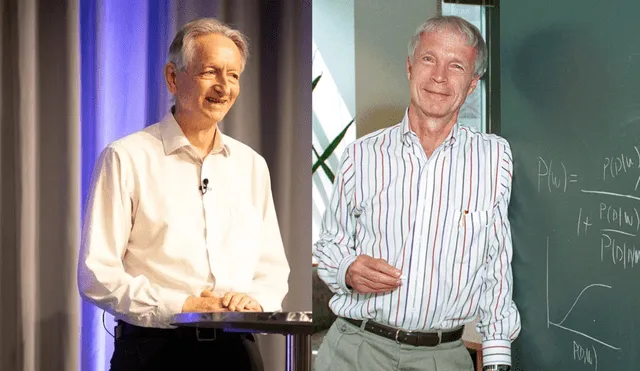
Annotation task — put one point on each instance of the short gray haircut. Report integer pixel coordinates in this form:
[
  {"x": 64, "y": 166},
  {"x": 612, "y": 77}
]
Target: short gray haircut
[
  {"x": 182, "y": 47},
  {"x": 469, "y": 31}
]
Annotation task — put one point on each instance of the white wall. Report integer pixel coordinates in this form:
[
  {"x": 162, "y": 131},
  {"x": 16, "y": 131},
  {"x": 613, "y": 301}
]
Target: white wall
[{"x": 333, "y": 34}]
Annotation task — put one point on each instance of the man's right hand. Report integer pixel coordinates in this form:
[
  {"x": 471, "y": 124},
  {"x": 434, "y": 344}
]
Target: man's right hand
[
  {"x": 207, "y": 302},
  {"x": 370, "y": 275}
]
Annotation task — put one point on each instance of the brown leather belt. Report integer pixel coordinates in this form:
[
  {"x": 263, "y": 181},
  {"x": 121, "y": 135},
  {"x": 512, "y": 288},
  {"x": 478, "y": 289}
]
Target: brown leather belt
[{"x": 417, "y": 339}]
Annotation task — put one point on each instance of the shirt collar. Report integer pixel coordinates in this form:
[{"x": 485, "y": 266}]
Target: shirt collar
[
  {"x": 407, "y": 133},
  {"x": 173, "y": 138}
]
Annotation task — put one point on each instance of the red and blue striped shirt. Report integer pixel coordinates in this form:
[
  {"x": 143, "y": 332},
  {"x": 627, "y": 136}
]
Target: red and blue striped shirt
[{"x": 442, "y": 220}]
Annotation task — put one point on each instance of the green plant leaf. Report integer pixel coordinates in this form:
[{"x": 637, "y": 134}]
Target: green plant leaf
[
  {"x": 315, "y": 82},
  {"x": 331, "y": 148},
  {"x": 324, "y": 166}
]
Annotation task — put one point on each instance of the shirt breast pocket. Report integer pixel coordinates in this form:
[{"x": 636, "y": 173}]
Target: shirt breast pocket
[{"x": 472, "y": 237}]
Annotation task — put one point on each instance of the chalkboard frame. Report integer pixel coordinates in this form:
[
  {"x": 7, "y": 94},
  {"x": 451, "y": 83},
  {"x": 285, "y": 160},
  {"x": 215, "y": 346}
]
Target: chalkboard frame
[
  {"x": 493, "y": 69},
  {"x": 487, "y": 3}
]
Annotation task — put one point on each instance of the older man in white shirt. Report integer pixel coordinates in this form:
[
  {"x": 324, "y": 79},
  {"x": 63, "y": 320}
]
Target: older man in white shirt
[{"x": 181, "y": 218}]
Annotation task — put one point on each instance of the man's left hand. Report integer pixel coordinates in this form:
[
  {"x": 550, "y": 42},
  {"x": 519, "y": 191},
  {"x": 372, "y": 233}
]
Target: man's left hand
[
  {"x": 237, "y": 301},
  {"x": 240, "y": 302}
]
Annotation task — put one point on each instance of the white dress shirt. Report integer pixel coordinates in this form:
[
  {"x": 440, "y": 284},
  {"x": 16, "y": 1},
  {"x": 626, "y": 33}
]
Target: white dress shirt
[
  {"x": 151, "y": 238},
  {"x": 441, "y": 220}
]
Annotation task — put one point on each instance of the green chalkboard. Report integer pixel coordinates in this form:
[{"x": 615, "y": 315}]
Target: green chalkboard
[{"x": 570, "y": 107}]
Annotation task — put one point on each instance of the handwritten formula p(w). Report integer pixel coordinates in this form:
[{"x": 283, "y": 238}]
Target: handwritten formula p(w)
[{"x": 554, "y": 179}]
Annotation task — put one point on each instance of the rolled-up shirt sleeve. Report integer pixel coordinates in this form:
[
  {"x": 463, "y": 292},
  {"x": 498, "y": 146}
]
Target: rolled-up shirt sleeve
[
  {"x": 102, "y": 279},
  {"x": 499, "y": 317},
  {"x": 335, "y": 248}
]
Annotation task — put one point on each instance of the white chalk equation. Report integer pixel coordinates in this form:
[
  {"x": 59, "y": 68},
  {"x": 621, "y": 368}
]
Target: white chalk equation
[
  {"x": 596, "y": 210},
  {"x": 555, "y": 176},
  {"x": 618, "y": 225},
  {"x": 615, "y": 221},
  {"x": 585, "y": 355},
  {"x": 621, "y": 164}
]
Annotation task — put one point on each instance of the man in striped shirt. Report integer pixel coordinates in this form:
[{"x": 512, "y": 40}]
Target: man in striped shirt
[{"x": 415, "y": 241}]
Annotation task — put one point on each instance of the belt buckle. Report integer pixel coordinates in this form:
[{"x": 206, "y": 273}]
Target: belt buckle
[
  {"x": 215, "y": 333},
  {"x": 398, "y": 334}
]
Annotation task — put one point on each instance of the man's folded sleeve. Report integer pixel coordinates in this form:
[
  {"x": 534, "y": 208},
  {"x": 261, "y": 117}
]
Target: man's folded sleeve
[{"x": 499, "y": 318}]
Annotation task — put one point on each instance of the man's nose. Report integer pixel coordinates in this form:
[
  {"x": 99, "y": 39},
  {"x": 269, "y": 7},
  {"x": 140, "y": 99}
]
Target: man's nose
[
  {"x": 439, "y": 74},
  {"x": 222, "y": 86}
]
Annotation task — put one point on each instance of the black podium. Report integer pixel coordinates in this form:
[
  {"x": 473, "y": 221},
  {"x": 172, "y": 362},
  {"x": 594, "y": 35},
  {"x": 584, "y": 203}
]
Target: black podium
[{"x": 296, "y": 326}]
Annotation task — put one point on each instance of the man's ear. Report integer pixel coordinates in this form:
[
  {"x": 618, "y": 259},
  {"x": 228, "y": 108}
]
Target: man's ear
[
  {"x": 170, "y": 71},
  {"x": 473, "y": 85},
  {"x": 408, "y": 68}
]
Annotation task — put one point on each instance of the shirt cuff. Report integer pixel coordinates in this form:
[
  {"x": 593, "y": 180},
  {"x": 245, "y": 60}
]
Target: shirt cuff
[
  {"x": 342, "y": 272},
  {"x": 496, "y": 352},
  {"x": 172, "y": 303}
]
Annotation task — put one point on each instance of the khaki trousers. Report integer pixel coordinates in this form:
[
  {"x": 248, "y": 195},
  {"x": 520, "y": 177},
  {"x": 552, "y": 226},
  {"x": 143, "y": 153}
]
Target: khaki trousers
[{"x": 350, "y": 348}]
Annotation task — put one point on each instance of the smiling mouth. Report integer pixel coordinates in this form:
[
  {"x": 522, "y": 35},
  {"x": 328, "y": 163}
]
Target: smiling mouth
[
  {"x": 436, "y": 92},
  {"x": 215, "y": 100}
]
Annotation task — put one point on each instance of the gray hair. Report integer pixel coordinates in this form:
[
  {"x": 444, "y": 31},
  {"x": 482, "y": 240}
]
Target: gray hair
[
  {"x": 469, "y": 31},
  {"x": 182, "y": 47}
]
